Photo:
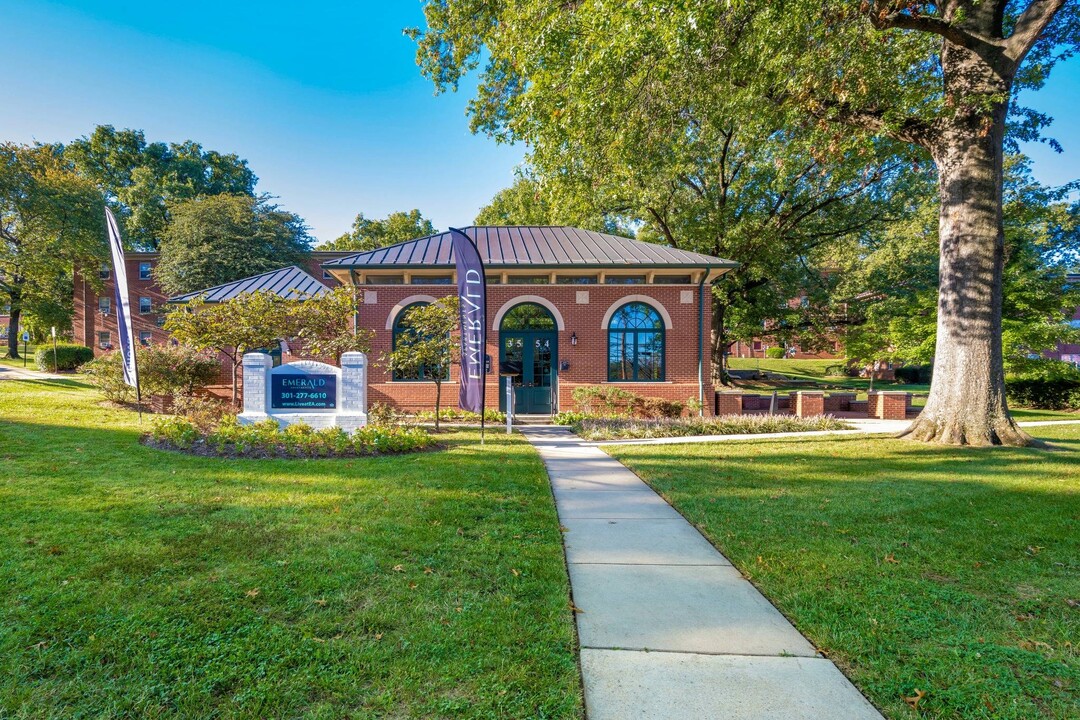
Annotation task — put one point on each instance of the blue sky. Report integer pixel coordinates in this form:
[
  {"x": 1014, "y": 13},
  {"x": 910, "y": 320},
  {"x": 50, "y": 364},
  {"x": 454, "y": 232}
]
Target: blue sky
[{"x": 323, "y": 99}]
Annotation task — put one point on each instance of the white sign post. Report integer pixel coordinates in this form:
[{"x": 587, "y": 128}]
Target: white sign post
[{"x": 306, "y": 391}]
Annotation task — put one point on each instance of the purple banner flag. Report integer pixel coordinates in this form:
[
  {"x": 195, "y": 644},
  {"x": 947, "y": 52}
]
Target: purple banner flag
[
  {"x": 123, "y": 303},
  {"x": 472, "y": 297}
]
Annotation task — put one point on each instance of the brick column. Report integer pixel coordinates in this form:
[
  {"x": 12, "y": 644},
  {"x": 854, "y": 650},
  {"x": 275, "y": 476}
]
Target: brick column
[
  {"x": 808, "y": 403},
  {"x": 353, "y": 383},
  {"x": 256, "y": 368},
  {"x": 888, "y": 404},
  {"x": 729, "y": 404}
]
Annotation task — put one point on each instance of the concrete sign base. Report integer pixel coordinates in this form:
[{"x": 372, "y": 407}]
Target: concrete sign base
[{"x": 306, "y": 391}]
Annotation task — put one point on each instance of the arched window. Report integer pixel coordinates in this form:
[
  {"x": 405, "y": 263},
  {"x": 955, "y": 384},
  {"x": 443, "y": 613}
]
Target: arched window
[
  {"x": 636, "y": 344},
  {"x": 401, "y": 327},
  {"x": 528, "y": 316}
]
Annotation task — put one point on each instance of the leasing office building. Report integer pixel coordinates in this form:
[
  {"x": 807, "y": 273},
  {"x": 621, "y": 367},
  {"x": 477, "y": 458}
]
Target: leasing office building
[{"x": 566, "y": 307}]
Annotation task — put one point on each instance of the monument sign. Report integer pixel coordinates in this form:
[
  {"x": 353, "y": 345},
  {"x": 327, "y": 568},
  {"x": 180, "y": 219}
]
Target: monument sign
[{"x": 306, "y": 391}]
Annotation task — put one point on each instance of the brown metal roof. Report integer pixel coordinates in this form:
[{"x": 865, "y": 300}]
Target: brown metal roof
[
  {"x": 288, "y": 283},
  {"x": 537, "y": 246}
]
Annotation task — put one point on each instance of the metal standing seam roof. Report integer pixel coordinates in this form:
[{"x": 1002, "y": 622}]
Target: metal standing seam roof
[
  {"x": 540, "y": 246},
  {"x": 288, "y": 283}
]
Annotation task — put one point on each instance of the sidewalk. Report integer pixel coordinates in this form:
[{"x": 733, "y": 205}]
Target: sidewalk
[
  {"x": 668, "y": 628},
  {"x": 9, "y": 373}
]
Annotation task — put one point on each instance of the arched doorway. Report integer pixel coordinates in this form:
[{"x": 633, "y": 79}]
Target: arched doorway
[{"x": 528, "y": 346}]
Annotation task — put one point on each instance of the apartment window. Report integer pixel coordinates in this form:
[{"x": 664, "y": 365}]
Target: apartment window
[
  {"x": 385, "y": 280},
  {"x": 402, "y": 327},
  {"x": 804, "y": 302},
  {"x": 104, "y": 273},
  {"x": 528, "y": 279},
  {"x": 493, "y": 279},
  {"x": 146, "y": 305},
  {"x": 144, "y": 337},
  {"x": 672, "y": 279},
  {"x": 757, "y": 346},
  {"x": 160, "y": 321},
  {"x": 104, "y": 339},
  {"x": 625, "y": 279},
  {"x": 576, "y": 280},
  {"x": 104, "y": 305},
  {"x": 433, "y": 280},
  {"x": 144, "y": 270}
]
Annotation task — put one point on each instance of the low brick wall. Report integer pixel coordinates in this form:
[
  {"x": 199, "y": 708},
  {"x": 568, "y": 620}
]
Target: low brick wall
[{"x": 839, "y": 402}]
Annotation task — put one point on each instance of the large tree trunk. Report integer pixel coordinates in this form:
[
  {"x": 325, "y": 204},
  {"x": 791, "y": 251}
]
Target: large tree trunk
[
  {"x": 967, "y": 393},
  {"x": 718, "y": 343},
  {"x": 13, "y": 330}
]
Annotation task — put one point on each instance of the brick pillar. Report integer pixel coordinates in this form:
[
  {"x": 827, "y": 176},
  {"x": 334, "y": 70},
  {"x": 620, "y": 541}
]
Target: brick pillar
[
  {"x": 808, "y": 403},
  {"x": 888, "y": 404},
  {"x": 352, "y": 412},
  {"x": 256, "y": 368},
  {"x": 729, "y": 404}
]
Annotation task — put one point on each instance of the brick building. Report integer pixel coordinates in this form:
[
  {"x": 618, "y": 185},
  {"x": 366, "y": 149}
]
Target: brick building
[
  {"x": 1069, "y": 352},
  {"x": 94, "y": 320},
  {"x": 566, "y": 307}
]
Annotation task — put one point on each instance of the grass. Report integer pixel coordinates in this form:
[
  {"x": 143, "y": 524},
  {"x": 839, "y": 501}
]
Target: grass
[
  {"x": 955, "y": 572},
  {"x": 9, "y": 362},
  {"x": 143, "y": 583}
]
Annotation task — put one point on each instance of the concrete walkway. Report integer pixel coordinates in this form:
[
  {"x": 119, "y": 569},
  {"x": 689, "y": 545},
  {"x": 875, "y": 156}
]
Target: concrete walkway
[
  {"x": 668, "y": 628},
  {"x": 11, "y": 373}
]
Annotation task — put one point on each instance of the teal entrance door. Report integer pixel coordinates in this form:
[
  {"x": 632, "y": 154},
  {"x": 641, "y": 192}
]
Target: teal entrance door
[{"x": 528, "y": 344}]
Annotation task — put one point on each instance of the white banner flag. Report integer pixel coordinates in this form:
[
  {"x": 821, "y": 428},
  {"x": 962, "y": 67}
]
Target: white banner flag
[{"x": 123, "y": 304}]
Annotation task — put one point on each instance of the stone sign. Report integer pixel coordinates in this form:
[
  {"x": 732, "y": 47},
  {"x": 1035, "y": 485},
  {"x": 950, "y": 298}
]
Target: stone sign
[{"x": 306, "y": 391}]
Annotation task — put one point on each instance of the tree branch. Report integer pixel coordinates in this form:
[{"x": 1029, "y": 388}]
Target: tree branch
[
  {"x": 1029, "y": 26},
  {"x": 985, "y": 48}
]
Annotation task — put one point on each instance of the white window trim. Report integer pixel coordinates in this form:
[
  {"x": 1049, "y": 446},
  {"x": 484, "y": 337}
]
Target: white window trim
[
  {"x": 627, "y": 299},
  {"x": 521, "y": 299}
]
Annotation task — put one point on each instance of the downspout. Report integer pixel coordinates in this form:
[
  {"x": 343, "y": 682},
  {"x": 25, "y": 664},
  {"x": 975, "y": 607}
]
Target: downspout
[
  {"x": 701, "y": 342},
  {"x": 356, "y": 303}
]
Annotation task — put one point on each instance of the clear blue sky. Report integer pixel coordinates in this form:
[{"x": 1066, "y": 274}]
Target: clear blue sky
[{"x": 323, "y": 99}]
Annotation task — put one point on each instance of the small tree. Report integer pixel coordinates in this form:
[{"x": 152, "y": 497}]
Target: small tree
[
  {"x": 427, "y": 348},
  {"x": 327, "y": 324},
  {"x": 234, "y": 327}
]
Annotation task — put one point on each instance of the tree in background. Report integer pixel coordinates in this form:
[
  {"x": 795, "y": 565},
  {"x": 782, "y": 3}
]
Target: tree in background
[
  {"x": 527, "y": 202},
  {"x": 369, "y": 234},
  {"x": 326, "y": 324},
  {"x": 50, "y": 220},
  {"x": 143, "y": 181},
  {"x": 216, "y": 239},
  {"x": 246, "y": 323},
  {"x": 622, "y": 124},
  {"x": 939, "y": 76},
  {"x": 427, "y": 348},
  {"x": 893, "y": 286}
]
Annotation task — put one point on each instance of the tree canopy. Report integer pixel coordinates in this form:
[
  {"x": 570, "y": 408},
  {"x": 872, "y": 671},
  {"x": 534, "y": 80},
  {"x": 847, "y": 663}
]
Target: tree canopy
[
  {"x": 144, "y": 180},
  {"x": 215, "y": 239},
  {"x": 370, "y": 234},
  {"x": 51, "y": 220},
  {"x": 850, "y": 79}
]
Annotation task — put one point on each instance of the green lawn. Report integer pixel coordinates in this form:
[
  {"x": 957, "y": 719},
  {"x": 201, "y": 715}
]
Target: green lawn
[
  {"x": 143, "y": 583},
  {"x": 30, "y": 364},
  {"x": 951, "y": 571}
]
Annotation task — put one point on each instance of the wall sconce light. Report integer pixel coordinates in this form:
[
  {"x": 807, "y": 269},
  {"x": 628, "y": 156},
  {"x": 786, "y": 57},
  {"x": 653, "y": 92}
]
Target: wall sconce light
[{"x": 573, "y": 338}]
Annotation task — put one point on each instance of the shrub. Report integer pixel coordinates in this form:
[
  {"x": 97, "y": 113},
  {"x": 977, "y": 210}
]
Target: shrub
[
  {"x": 461, "y": 416},
  {"x": 624, "y": 429},
  {"x": 68, "y": 357},
  {"x": 176, "y": 432},
  {"x": 175, "y": 370},
  {"x": 914, "y": 374},
  {"x": 654, "y": 407},
  {"x": 603, "y": 399},
  {"x": 775, "y": 353},
  {"x": 382, "y": 414},
  {"x": 163, "y": 370},
  {"x": 205, "y": 413},
  {"x": 1047, "y": 385},
  {"x": 266, "y": 439},
  {"x": 107, "y": 375},
  {"x": 568, "y": 418}
]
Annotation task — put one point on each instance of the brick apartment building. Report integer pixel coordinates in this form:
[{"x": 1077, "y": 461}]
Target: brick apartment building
[
  {"x": 566, "y": 307},
  {"x": 1069, "y": 352}
]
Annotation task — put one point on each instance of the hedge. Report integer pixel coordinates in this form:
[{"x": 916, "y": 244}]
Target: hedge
[
  {"x": 775, "y": 353},
  {"x": 914, "y": 374},
  {"x": 1044, "y": 393},
  {"x": 68, "y": 357}
]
